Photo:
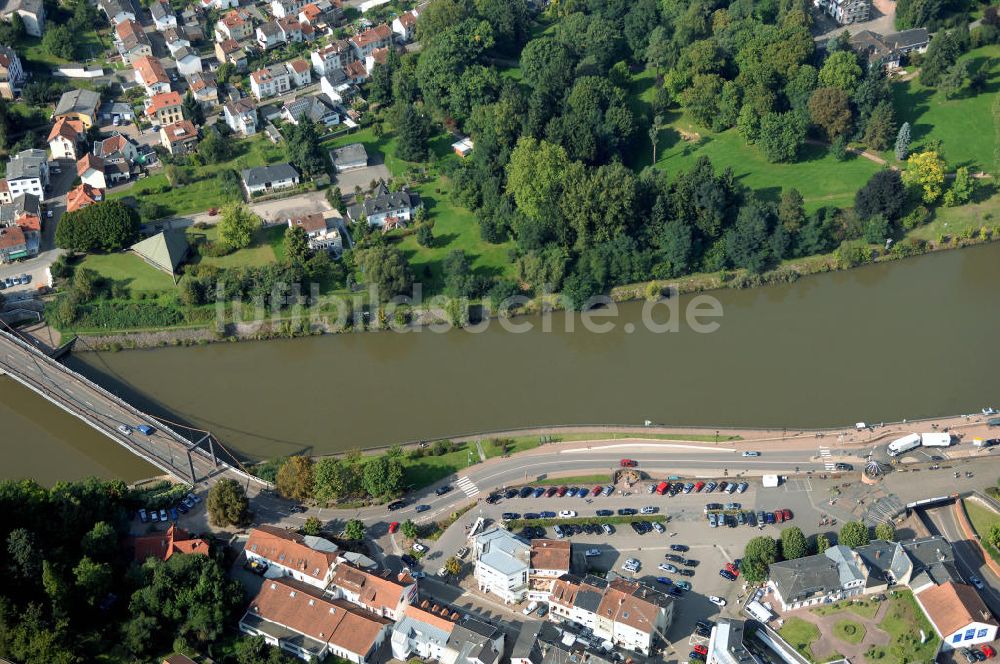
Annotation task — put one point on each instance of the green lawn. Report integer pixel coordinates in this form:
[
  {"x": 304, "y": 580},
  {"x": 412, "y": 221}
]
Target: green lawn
[
  {"x": 427, "y": 470},
  {"x": 866, "y": 608},
  {"x": 260, "y": 252},
  {"x": 903, "y": 621},
  {"x": 583, "y": 480},
  {"x": 954, "y": 221},
  {"x": 849, "y": 631},
  {"x": 964, "y": 125},
  {"x": 800, "y": 634},
  {"x": 129, "y": 268},
  {"x": 819, "y": 177},
  {"x": 982, "y": 519}
]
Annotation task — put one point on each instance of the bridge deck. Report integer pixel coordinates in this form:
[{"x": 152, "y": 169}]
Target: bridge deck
[{"x": 186, "y": 460}]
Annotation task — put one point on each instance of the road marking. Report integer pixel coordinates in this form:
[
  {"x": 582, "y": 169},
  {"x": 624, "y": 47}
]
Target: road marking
[
  {"x": 604, "y": 448},
  {"x": 828, "y": 463},
  {"x": 467, "y": 486}
]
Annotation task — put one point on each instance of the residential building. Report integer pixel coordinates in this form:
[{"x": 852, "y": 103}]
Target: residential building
[
  {"x": 283, "y": 8},
  {"x": 291, "y": 29},
  {"x": 175, "y": 40},
  {"x": 404, "y": 26},
  {"x": 270, "y": 81},
  {"x": 423, "y": 633},
  {"x": 726, "y": 645},
  {"x": 846, "y": 12},
  {"x": 314, "y": 108},
  {"x": 165, "y": 545},
  {"x": 473, "y": 641},
  {"x": 269, "y": 35},
  {"x": 165, "y": 108},
  {"x": 549, "y": 561},
  {"x": 179, "y": 137},
  {"x": 163, "y": 15},
  {"x": 11, "y": 72},
  {"x": 626, "y": 613},
  {"x": 5, "y": 195},
  {"x": 28, "y": 173},
  {"x": 13, "y": 244},
  {"x": 958, "y": 614},
  {"x": 237, "y": 25},
  {"x": 323, "y": 233},
  {"x": 356, "y": 72},
  {"x": 300, "y": 620},
  {"x": 502, "y": 558},
  {"x": 387, "y": 209},
  {"x": 151, "y": 75},
  {"x": 131, "y": 41},
  {"x": 117, "y": 10},
  {"x": 65, "y": 137},
  {"x": 230, "y": 51},
  {"x": 90, "y": 170},
  {"x": 25, "y": 212},
  {"x": 299, "y": 72},
  {"x": 204, "y": 88},
  {"x": 83, "y": 196},
  {"x": 337, "y": 86},
  {"x": 221, "y": 5},
  {"x": 332, "y": 57},
  {"x": 349, "y": 157},
  {"x": 377, "y": 57},
  {"x": 306, "y": 559},
  {"x": 32, "y": 13},
  {"x": 78, "y": 105},
  {"x": 835, "y": 574},
  {"x": 889, "y": 51},
  {"x": 378, "y": 37},
  {"x": 378, "y": 592},
  {"x": 241, "y": 116},
  {"x": 322, "y": 14},
  {"x": 116, "y": 148},
  {"x": 188, "y": 61}
]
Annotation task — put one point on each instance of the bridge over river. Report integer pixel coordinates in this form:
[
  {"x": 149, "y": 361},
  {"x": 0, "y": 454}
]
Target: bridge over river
[{"x": 193, "y": 460}]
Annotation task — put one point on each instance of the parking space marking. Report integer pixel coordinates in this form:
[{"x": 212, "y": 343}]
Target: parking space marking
[{"x": 798, "y": 486}]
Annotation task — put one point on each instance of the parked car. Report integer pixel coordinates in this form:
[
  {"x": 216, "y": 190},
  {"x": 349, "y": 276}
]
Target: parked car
[
  {"x": 173, "y": 514},
  {"x": 733, "y": 506},
  {"x": 566, "y": 514},
  {"x": 977, "y": 582},
  {"x": 710, "y": 487},
  {"x": 590, "y": 553},
  {"x": 843, "y": 466},
  {"x": 418, "y": 575},
  {"x": 163, "y": 515},
  {"x": 988, "y": 651},
  {"x": 701, "y": 650},
  {"x": 683, "y": 585},
  {"x": 608, "y": 490},
  {"x": 551, "y": 491},
  {"x": 145, "y": 429},
  {"x": 779, "y": 516},
  {"x": 711, "y": 520},
  {"x": 631, "y": 565},
  {"x": 769, "y": 518},
  {"x": 596, "y": 491},
  {"x": 627, "y": 511},
  {"x": 539, "y": 492},
  {"x": 408, "y": 559},
  {"x": 528, "y": 610},
  {"x": 461, "y": 553},
  {"x": 525, "y": 492},
  {"x": 698, "y": 486},
  {"x": 395, "y": 505},
  {"x": 419, "y": 548},
  {"x": 658, "y": 527},
  {"x": 493, "y": 499},
  {"x": 558, "y": 530},
  {"x": 649, "y": 509},
  {"x": 393, "y": 527},
  {"x": 786, "y": 514},
  {"x": 726, "y": 574},
  {"x": 547, "y": 515},
  {"x": 571, "y": 492},
  {"x": 509, "y": 516},
  {"x": 751, "y": 453},
  {"x": 125, "y": 429},
  {"x": 510, "y": 493},
  {"x": 605, "y": 513},
  {"x": 718, "y": 601},
  {"x": 742, "y": 487},
  {"x": 694, "y": 654},
  {"x": 667, "y": 567},
  {"x": 679, "y": 547},
  {"x": 664, "y": 580},
  {"x": 607, "y": 528},
  {"x": 143, "y": 516}
]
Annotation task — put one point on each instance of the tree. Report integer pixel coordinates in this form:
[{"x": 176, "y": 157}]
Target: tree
[
  {"x": 925, "y": 170},
  {"x": 941, "y": 55},
  {"x": 192, "y": 110},
  {"x": 413, "y": 131},
  {"x": 841, "y": 70},
  {"x": 93, "y": 579},
  {"x": 457, "y": 274},
  {"x": 214, "y": 149},
  {"x": 409, "y": 529},
  {"x": 791, "y": 211},
  {"x": 386, "y": 268},
  {"x": 382, "y": 476},
  {"x": 963, "y": 187},
  {"x": 425, "y": 235},
  {"x": 793, "y": 543},
  {"x": 331, "y": 479},
  {"x": 884, "y": 194},
  {"x": 101, "y": 542},
  {"x": 238, "y": 225},
  {"x": 104, "y": 226},
  {"x": 304, "y": 150},
  {"x": 702, "y": 98},
  {"x": 822, "y": 543},
  {"x": 24, "y": 557},
  {"x": 535, "y": 176},
  {"x": 759, "y": 553},
  {"x": 853, "y": 534},
  {"x": 830, "y": 109},
  {"x": 954, "y": 79},
  {"x": 659, "y": 50},
  {"x": 748, "y": 241},
  {"x": 297, "y": 245},
  {"x": 255, "y": 650},
  {"x": 885, "y": 531},
  {"x": 60, "y": 42},
  {"x": 782, "y": 135},
  {"x": 876, "y": 229},
  {"x": 453, "y": 566},
  {"x": 355, "y": 530},
  {"x": 295, "y": 478},
  {"x": 994, "y": 535},
  {"x": 312, "y": 526},
  {"x": 880, "y": 127},
  {"x": 903, "y": 142},
  {"x": 227, "y": 504}
]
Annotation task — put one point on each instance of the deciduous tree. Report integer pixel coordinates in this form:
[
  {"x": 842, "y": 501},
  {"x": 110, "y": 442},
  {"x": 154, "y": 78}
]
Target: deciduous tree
[
  {"x": 227, "y": 504},
  {"x": 295, "y": 478},
  {"x": 386, "y": 268},
  {"x": 962, "y": 189},
  {"x": 238, "y": 225},
  {"x": 841, "y": 70},
  {"x": 830, "y": 109},
  {"x": 793, "y": 543},
  {"x": 354, "y": 530},
  {"x": 853, "y": 534},
  {"x": 885, "y": 531},
  {"x": 758, "y": 554},
  {"x": 926, "y": 171},
  {"x": 105, "y": 226}
]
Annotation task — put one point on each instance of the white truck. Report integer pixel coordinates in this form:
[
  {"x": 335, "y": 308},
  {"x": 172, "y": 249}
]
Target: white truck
[
  {"x": 904, "y": 444},
  {"x": 771, "y": 480},
  {"x": 935, "y": 439}
]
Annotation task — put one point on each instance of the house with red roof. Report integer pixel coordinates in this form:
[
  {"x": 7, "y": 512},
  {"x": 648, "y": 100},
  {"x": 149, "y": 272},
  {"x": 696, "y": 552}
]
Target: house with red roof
[{"x": 165, "y": 545}]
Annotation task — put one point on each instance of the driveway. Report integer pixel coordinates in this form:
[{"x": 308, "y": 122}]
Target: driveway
[
  {"x": 362, "y": 177},
  {"x": 883, "y": 21}
]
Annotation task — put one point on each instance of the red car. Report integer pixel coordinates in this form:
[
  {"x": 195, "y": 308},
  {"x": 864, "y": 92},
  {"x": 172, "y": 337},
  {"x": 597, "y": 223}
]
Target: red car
[
  {"x": 786, "y": 514},
  {"x": 779, "y": 516},
  {"x": 394, "y": 526},
  {"x": 701, "y": 650},
  {"x": 562, "y": 491},
  {"x": 629, "y": 463},
  {"x": 733, "y": 569},
  {"x": 988, "y": 650},
  {"x": 597, "y": 491},
  {"x": 551, "y": 492},
  {"x": 699, "y": 486}
]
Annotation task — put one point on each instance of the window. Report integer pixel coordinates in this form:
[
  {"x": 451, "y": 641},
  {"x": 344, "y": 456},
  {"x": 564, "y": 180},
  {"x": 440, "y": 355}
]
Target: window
[
  {"x": 982, "y": 633},
  {"x": 970, "y": 633}
]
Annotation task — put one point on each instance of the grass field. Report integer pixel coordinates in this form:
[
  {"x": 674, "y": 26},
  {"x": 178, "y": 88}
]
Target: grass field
[
  {"x": 429, "y": 469},
  {"x": 800, "y": 634},
  {"x": 588, "y": 481},
  {"x": 866, "y": 608},
  {"x": 849, "y": 631},
  {"x": 260, "y": 252},
  {"x": 982, "y": 519},
  {"x": 819, "y": 177},
  {"x": 129, "y": 268},
  {"x": 903, "y": 621},
  {"x": 964, "y": 125}
]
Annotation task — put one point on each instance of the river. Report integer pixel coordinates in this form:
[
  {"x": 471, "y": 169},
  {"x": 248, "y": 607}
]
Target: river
[{"x": 900, "y": 340}]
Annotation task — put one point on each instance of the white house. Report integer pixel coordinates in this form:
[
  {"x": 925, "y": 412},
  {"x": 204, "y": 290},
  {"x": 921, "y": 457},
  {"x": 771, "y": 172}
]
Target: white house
[
  {"x": 163, "y": 15},
  {"x": 64, "y": 138},
  {"x": 117, "y": 11},
  {"x": 308, "y": 560},
  {"x": 11, "y": 72},
  {"x": 90, "y": 170},
  {"x": 270, "y": 81},
  {"x": 299, "y": 73},
  {"x": 336, "y": 85},
  {"x": 221, "y": 5},
  {"x": 387, "y": 209},
  {"x": 958, "y": 614},
  {"x": 381, "y": 593},
  {"x": 28, "y": 173},
  {"x": 266, "y": 179},
  {"x": 378, "y": 37},
  {"x": 188, "y": 61},
  {"x": 835, "y": 574},
  {"x": 422, "y": 634},
  {"x": 241, "y": 116},
  {"x": 332, "y": 57},
  {"x": 151, "y": 75},
  {"x": 404, "y": 26},
  {"x": 502, "y": 564},
  {"x": 283, "y": 8},
  {"x": 323, "y": 233},
  {"x": 269, "y": 35}
]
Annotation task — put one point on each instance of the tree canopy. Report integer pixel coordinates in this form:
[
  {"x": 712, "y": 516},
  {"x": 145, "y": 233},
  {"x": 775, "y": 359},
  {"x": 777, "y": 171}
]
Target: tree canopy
[{"x": 104, "y": 226}]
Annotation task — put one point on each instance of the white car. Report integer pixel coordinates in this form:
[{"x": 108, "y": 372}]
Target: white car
[
  {"x": 590, "y": 553},
  {"x": 125, "y": 429},
  {"x": 658, "y": 527},
  {"x": 649, "y": 510},
  {"x": 418, "y": 547},
  {"x": 567, "y": 514},
  {"x": 751, "y": 453},
  {"x": 632, "y": 565},
  {"x": 718, "y": 601},
  {"x": 528, "y": 610},
  {"x": 667, "y": 567}
]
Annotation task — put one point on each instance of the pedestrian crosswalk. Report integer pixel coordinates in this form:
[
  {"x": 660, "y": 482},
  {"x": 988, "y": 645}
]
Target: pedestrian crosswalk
[
  {"x": 827, "y": 457},
  {"x": 467, "y": 486}
]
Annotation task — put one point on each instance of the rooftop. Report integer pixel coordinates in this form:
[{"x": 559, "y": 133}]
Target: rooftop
[
  {"x": 289, "y": 549},
  {"x": 78, "y": 101}
]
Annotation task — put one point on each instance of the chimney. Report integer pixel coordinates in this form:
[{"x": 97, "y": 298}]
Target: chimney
[{"x": 878, "y": 554}]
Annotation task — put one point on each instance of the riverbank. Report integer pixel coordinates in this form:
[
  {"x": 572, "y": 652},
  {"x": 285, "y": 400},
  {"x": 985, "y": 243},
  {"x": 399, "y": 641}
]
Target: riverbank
[{"x": 931, "y": 238}]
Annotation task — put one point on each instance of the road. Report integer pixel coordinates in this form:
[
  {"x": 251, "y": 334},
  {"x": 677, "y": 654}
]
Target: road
[{"x": 942, "y": 521}]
